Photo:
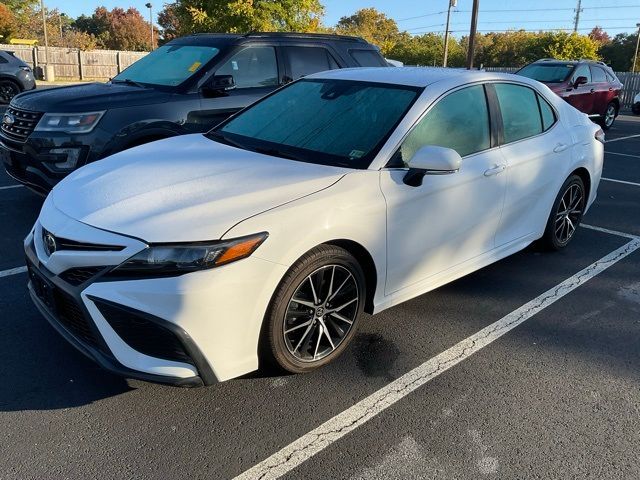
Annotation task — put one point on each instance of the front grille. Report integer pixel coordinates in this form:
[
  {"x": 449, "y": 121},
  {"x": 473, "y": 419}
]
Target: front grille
[
  {"x": 77, "y": 276},
  {"x": 71, "y": 317},
  {"x": 67, "y": 244},
  {"x": 63, "y": 307},
  {"x": 23, "y": 124},
  {"x": 142, "y": 334}
]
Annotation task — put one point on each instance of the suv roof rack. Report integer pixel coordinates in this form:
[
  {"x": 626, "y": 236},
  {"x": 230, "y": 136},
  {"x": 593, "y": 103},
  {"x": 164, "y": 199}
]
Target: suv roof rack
[{"x": 329, "y": 36}]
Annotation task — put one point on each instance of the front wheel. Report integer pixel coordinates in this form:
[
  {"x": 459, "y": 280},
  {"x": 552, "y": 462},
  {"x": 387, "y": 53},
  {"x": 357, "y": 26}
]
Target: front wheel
[
  {"x": 315, "y": 310},
  {"x": 8, "y": 90},
  {"x": 610, "y": 114},
  {"x": 566, "y": 214}
]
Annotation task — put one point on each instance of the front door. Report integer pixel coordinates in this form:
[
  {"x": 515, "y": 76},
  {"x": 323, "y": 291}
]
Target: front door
[
  {"x": 581, "y": 97},
  {"x": 451, "y": 218}
]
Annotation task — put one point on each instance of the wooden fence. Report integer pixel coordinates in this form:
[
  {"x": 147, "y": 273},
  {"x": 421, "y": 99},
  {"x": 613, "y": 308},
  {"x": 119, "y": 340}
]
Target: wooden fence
[
  {"x": 74, "y": 64},
  {"x": 630, "y": 81}
]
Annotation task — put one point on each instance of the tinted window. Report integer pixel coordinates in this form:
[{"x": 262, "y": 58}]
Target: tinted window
[
  {"x": 3, "y": 60},
  {"x": 582, "y": 71},
  {"x": 598, "y": 74},
  {"x": 448, "y": 124},
  {"x": 335, "y": 122},
  {"x": 307, "y": 60},
  {"x": 548, "y": 117},
  {"x": 547, "y": 72},
  {"x": 368, "y": 58},
  {"x": 252, "y": 67},
  {"x": 168, "y": 65},
  {"x": 520, "y": 113}
]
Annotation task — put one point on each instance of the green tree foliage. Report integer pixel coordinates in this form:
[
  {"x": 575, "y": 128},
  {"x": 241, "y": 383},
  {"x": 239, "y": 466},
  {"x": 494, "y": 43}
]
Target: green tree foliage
[
  {"x": 427, "y": 49},
  {"x": 373, "y": 26},
  {"x": 619, "y": 52},
  {"x": 241, "y": 16}
]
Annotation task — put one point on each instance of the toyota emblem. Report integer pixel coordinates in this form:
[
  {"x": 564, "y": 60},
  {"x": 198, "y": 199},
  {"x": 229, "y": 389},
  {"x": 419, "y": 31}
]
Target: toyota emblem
[{"x": 49, "y": 243}]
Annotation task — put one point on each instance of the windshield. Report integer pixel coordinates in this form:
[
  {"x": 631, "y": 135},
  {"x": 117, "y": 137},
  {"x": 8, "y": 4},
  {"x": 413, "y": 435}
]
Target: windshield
[
  {"x": 547, "y": 72},
  {"x": 331, "y": 122},
  {"x": 169, "y": 65}
]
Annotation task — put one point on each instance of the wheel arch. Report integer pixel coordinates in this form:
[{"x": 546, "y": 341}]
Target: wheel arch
[
  {"x": 365, "y": 259},
  {"x": 585, "y": 176}
]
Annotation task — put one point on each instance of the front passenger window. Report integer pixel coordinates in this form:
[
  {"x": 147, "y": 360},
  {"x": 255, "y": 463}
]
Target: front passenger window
[
  {"x": 252, "y": 67},
  {"x": 459, "y": 121},
  {"x": 520, "y": 112}
]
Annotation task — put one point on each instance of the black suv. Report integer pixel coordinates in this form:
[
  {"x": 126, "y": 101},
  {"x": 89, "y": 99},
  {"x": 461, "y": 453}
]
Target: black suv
[
  {"x": 188, "y": 85},
  {"x": 15, "y": 76}
]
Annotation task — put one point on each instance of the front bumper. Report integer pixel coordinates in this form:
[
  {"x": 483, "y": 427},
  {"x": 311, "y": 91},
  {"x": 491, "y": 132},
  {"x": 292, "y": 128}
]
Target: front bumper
[{"x": 193, "y": 329}]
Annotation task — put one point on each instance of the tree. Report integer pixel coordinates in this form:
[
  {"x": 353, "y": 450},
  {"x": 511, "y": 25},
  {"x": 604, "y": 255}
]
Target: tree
[
  {"x": 169, "y": 20},
  {"x": 117, "y": 29},
  {"x": 619, "y": 52},
  {"x": 568, "y": 46},
  {"x": 7, "y": 22},
  {"x": 427, "y": 49},
  {"x": 373, "y": 26},
  {"x": 599, "y": 36},
  {"x": 243, "y": 16}
]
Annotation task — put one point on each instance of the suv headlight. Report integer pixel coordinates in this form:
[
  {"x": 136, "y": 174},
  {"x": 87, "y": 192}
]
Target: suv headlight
[
  {"x": 176, "y": 259},
  {"x": 69, "y": 122}
]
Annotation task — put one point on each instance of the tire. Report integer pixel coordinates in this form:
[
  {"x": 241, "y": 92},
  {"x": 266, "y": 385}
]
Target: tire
[
  {"x": 294, "y": 336},
  {"x": 559, "y": 232},
  {"x": 636, "y": 108},
  {"x": 606, "y": 120},
  {"x": 8, "y": 90}
]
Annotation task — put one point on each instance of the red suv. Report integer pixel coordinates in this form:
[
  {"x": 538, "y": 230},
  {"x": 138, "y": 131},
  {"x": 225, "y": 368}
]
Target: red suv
[{"x": 588, "y": 85}]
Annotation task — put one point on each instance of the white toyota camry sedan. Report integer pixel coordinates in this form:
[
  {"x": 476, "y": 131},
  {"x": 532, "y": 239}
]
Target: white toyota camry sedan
[{"x": 191, "y": 260}]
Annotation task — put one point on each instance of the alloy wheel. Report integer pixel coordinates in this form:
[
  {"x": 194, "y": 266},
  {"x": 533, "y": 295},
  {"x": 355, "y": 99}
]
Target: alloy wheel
[
  {"x": 321, "y": 313},
  {"x": 569, "y": 213},
  {"x": 610, "y": 115},
  {"x": 7, "y": 92}
]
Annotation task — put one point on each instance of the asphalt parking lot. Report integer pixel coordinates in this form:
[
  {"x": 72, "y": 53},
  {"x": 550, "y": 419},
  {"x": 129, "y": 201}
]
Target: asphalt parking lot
[{"x": 529, "y": 368}]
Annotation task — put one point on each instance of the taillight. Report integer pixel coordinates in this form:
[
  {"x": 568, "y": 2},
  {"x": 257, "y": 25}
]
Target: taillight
[{"x": 600, "y": 135}]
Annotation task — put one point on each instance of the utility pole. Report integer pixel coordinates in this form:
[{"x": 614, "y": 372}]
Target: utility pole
[
  {"x": 472, "y": 34},
  {"x": 576, "y": 19},
  {"x": 149, "y": 6},
  {"x": 46, "y": 38},
  {"x": 635, "y": 57},
  {"x": 452, "y": 3}
]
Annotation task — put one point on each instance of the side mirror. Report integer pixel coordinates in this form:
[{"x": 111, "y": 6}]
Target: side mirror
[
  {"x": 581, "y": 80},
  {"x": 431, "y": 160},
  {"x": 219, "y": 84}
]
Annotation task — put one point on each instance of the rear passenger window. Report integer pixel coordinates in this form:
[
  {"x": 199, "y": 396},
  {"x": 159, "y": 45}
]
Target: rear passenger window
[
  {"x": 252, "y": 67},
  {"x": 520, "y": 113},
  {"x": 548, "y": 117},
  {"x": 598, "y": 74},
  {"x": 307, "y": 60},
  {"x": 368, "y": 58},
  {"x": 448, "y": 124}
]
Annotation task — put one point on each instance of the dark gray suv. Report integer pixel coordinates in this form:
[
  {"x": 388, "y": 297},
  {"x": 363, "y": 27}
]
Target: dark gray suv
[{"x": 15, "y": 76}]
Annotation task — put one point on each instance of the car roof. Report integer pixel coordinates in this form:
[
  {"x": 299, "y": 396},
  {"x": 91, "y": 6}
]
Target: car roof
[
  {"x": 415, "y": 76},
  {"x": 207, "y": 38}
]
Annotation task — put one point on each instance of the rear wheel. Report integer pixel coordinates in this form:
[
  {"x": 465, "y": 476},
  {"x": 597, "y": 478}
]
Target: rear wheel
[
  {"x": 566, "y": 214},
  {"x": 8, "y": 90},
  {"x": 315, "y": 311},
  {"x": 610, "y": 114}
]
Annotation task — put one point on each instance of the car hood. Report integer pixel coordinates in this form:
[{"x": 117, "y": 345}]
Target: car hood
[
  {"x": 184, "y": 189},
  {"x": 88, "y": 97}
]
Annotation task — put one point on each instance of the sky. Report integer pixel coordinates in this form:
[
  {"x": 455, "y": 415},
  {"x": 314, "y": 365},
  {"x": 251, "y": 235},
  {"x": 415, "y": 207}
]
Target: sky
[{"x": 615, "y": 16}]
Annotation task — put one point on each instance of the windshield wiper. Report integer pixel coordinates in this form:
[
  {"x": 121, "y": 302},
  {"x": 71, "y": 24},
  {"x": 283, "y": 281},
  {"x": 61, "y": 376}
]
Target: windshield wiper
[
  {"x": 128, "y": 81},
  {"x": 274, "y": 152},
  {"x": 216, "y": 136}
]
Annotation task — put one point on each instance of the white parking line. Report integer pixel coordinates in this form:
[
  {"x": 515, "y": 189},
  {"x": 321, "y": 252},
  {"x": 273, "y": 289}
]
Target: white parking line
[
  {"x": 10, "y": 186},
  {"x": 12, "y": 271},
  {"x": 622, "y": 154},
  {"x": 621, "y": 181},
  {"x": 610, "y": 232},
  {"x": 337, "y": 427},
  {"x": 622, "y": 138}
]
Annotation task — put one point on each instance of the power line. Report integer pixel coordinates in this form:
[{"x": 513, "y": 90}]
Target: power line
[{"x": 519, "y": 21}]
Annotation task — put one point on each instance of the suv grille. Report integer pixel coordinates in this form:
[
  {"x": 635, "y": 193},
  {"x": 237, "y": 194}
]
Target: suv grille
[{"x": 23, "y": 124}]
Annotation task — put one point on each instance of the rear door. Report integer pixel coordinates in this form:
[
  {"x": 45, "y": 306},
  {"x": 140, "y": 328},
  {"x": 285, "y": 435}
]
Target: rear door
[
  {"x": 601, "y": 87},
  {"x": 304, "y": 59},
  {"x": 256, "y": 70},
  {"x": 536, "y": 148},
  {"x": 581, "y": 97}
]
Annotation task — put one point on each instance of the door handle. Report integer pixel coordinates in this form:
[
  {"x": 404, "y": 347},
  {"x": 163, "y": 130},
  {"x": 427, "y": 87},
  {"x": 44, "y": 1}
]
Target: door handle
[
  {"x": 560, "y": 147},
  {"x": 495, "y": 170}
]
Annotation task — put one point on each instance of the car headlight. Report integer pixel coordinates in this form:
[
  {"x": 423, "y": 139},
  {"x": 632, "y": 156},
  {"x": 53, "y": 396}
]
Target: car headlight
[
  {"x": 176, "y": 259},
  {"x": 69, "y": 122}
]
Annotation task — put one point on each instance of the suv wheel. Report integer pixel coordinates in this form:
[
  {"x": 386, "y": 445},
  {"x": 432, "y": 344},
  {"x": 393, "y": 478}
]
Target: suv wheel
[
  {"x": 315, "y": 310},
  {"x": 610, "y": 114},
  {"x": 8, "y": 90}
]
